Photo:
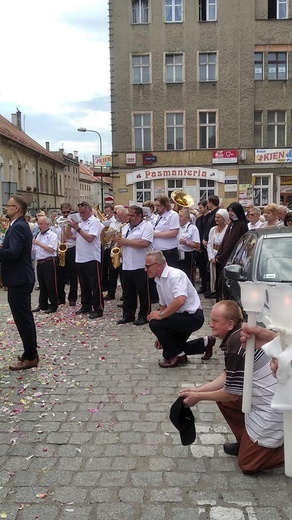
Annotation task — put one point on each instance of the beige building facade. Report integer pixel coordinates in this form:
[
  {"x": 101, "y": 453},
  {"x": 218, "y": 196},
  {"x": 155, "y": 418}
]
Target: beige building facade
[{"x": 201, "y": 99}]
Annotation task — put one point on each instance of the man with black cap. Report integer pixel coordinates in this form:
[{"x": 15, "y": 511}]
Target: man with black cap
[{"x": 259, "y": 433}]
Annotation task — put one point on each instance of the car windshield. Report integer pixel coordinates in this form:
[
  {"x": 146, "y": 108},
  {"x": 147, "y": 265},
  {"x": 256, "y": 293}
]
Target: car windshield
[{"x": 274, "y": 263}]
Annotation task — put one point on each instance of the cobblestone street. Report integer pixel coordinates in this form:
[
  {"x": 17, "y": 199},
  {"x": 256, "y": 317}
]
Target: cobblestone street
[{"x": 87, "y": 436}]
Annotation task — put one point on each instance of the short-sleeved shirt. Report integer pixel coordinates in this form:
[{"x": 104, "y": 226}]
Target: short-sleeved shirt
[
  {"x": 191, "y": 233},
  {"x": 88, "y": 251},
  {"x": 48, "y": 238},
  {"x": 134, "y": 257},
  {"x": 169, "y": 220},
  {"x": 173, "y": 283},
  {"x": 264, "y": 424}
]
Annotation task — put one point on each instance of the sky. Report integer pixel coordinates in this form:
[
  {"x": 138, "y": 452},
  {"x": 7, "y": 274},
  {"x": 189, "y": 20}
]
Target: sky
[{"x": 55, "y": 70}]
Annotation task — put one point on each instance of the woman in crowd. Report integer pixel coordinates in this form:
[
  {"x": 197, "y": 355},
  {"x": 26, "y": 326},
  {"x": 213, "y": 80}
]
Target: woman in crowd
[
  {"x": 236, "y": 228},
  {"x": 216, "y": 236},
  {"x": 271, "y": 214},
  {"x": 288, "y": 219}
]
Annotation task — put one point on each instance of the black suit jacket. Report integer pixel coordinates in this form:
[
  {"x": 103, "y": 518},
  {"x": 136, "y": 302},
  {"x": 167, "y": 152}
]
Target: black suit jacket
[{"x": 15, "y": 255}]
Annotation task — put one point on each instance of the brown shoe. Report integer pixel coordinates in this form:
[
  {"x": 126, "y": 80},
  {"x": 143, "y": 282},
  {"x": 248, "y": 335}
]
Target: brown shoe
[
  {"x": 209, "y": 348},
  {"x": 24, "y": 365},
  {"x": 172, "y": 362},
  {"x": 22, "y": 358}
]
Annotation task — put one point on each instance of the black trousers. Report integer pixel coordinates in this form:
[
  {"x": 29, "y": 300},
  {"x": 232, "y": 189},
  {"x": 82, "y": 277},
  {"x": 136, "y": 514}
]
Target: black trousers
[
  {"x": 135, "y": 284},
  {"x": 171, "y": 256},
  {"x": 47, "y": 278},
  {"x": 68, "y": 274},
  {"x": 187, "y": 265},
  {"x": 202, "y": 264},
  {"x": 173, "y": 332},
  {"x": 19, "y": 299},
  {"x": 89, "y": 274}
]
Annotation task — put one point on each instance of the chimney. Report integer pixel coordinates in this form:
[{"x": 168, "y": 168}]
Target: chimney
[
  {"x": 16, "y": 119},
  {"x": 47, "y": 146},
  {"x": 75, "y": 154}
]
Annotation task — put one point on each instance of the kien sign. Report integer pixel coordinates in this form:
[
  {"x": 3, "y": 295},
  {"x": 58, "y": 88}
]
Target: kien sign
[
  {"x": 273, "y": 155},
  {"x": 224, "y": 156}
]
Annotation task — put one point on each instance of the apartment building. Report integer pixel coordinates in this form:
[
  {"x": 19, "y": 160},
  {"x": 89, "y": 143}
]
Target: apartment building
[{"x": 201, "y": 98}]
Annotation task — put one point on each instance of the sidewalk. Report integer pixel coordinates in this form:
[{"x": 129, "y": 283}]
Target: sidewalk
[{"x": 86, "y": 435}]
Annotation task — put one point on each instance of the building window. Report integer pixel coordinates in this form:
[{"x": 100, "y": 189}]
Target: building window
[
  {"x": 174, "y": 185},
  {"x": 173, "y": 10},
  {"x": 139, "y": 11},
  {"x": 173, "y": 68},
  {"x": 143, "y": 191},
  {"x": 207, "y": 130},
  {"x": 262, "y": 189},
  {"x": 277, "y": 65},
  {"x": 175, "y": 131},
  {"x": 207, "y": 66},
  {"x": 276, "y": 128},
  {"x": 207, "y": 10},
  {"x": 142, "y": 132},
  {"x": 278, "y": 9},
  {"x": 258, "y": 129},
  {"x": 206, "y": 188},
  {"x": 141, "y": 69},
  {"x": 258, "y": 65}
]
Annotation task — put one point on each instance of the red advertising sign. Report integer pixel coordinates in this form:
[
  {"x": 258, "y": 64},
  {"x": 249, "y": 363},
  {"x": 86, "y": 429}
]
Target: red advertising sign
[{"x": 224, "y": 156}]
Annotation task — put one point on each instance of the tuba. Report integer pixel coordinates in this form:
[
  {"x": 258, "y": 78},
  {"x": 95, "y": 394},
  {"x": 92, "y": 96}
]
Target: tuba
[
  {"x": 181, "y": 200},
  {"x": 62, "y": 247}
]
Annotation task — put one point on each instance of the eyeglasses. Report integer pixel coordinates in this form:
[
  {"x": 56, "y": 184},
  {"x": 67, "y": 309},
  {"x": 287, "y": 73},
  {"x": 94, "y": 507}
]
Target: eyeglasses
[
  {"x": 147, "y": 266},
  {"x": 66, "y": 212},
  {"x": 10, "y": 205}
]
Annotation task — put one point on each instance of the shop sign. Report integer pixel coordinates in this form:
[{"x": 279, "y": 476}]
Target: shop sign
[
  {"x": 273, "y": 155},
  {"x": 153, "y": 174},
  {"x": 224, "y": 156},
  {"x": 230, "y": 183},
  {"x": 131, "y": 159}
]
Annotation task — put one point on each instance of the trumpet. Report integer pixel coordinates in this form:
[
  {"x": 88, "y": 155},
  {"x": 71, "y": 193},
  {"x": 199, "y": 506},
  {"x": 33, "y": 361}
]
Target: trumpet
[{"x": 62, "y": 247}]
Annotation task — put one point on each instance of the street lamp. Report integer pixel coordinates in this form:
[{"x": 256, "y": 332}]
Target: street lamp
[{"x": 82, "y": 129}]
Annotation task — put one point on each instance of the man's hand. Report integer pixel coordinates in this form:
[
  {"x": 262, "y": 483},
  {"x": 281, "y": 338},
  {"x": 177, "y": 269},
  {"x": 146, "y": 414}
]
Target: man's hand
[
  {"x": 262, "y": 335},
  {"x": 191, "y": 396},
  {"x": 157, "y": 344},
  {"x": 154, "y": 315}
]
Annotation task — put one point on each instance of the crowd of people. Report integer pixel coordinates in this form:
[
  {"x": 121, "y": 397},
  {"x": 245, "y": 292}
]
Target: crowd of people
[{"x": 156, "y": 251}]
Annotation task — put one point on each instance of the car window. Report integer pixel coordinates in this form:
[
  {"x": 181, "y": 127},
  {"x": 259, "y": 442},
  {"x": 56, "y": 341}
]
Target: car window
[
  {"x": 275, "y": 263},
  {"x": 243, "y": 252}
]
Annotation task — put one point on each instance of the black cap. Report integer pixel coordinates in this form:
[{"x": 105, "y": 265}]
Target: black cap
[{"x": 183, "y": 419}]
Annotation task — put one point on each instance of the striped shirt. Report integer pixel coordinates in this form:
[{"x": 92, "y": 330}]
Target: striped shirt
[{"x": 264, "y": 424}]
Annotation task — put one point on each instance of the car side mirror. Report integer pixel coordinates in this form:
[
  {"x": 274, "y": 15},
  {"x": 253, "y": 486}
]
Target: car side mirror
[{"x": 235, "y": 272}]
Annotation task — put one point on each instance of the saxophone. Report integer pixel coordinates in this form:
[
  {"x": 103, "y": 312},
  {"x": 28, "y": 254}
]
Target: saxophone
[
  {"x": 62, "y": 248},
  {"x": 116, "y": 251}
]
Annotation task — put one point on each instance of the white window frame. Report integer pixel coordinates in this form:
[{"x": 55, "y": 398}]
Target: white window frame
[
  {"x": 277, "y": 125},
  {"x": 259, "y": 188},
  {"x": 285, "y": 4},
  {"x": 277, "y": 64},
  {"x": 141, "y": 68},
  {"x": 208, "y": 126},
  {"x": 175, "y": 128},
  {"x": 206, "y": 66},
  {"x": 209, "y": 5},
  {"x": 175, "y": 68},
  {"x": 258, "y": 67},
  {"x": 143, "y": 12},
  {"x": 259, "y": 124},
  {"x": 174, "y": 5},
  {"x": 144, "y": 191},
  {"x": 177, "y": 185},
  {"x": 205, "y": 191},
  {"x": 142, "y": 128}
]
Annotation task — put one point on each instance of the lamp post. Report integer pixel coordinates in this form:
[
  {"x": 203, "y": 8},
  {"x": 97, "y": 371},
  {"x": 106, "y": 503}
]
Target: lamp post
[{"x": 82, "y": 129}]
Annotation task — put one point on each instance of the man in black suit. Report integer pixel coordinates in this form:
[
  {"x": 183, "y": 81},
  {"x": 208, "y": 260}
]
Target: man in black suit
[{"x": 18, "y": 275}]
